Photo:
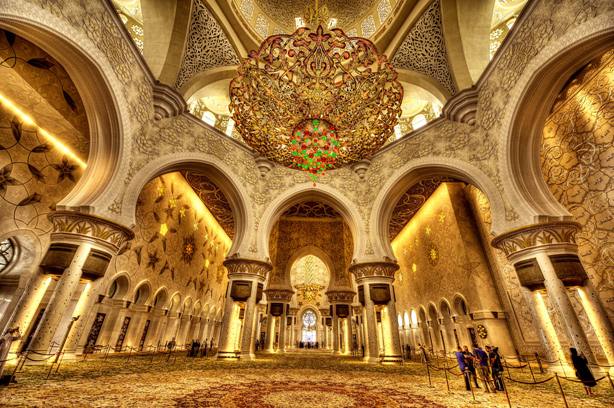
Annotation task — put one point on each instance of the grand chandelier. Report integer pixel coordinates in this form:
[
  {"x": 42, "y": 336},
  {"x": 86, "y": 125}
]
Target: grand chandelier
[{"x": 315, "y": 100}]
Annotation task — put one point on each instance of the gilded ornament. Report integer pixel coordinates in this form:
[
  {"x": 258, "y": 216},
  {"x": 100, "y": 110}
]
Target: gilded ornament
[{"x": 297, "y": 83}]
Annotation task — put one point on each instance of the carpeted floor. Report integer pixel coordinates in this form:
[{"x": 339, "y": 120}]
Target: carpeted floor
[{"x": 294, "y": 380}]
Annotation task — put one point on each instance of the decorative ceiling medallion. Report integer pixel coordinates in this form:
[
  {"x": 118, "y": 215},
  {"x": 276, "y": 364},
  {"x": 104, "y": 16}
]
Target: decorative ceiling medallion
[{"x": 307, "y": 86}]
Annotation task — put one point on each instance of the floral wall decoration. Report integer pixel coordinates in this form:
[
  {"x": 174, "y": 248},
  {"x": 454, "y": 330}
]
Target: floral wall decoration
[
  {"x": 178, "y": 243},
  {"x": 44, "y": 140},
  {"x": 440, "y": 255},
  {"x": 576, "y": 161}
]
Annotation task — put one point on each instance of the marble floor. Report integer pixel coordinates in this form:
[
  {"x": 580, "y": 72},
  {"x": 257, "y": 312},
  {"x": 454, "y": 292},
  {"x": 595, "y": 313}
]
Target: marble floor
[{"x": 307, "y": 379}]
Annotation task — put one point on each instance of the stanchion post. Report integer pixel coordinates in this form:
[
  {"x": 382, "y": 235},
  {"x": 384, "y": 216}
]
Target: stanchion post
[
  {"x": 507, "y": 395},
  {"x": 428, "y": 373},
  {"x": 539, "y": 363},
  {"x": 561, "y": 388},
  {"x": 445, "y": 371},
  {"x": 468, "y": 379},
  {"x": 22, "y": 360},
  {"x": 610, "y": 379},
  {"x": 531, "y": 370},
  {"x": 51, "y": 368},
  {"x": 59, "y": 363}
]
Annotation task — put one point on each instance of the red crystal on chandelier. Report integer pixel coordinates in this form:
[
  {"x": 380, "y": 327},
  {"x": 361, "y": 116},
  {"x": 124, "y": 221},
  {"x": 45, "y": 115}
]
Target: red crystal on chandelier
[{"x": 314, "y": 147}]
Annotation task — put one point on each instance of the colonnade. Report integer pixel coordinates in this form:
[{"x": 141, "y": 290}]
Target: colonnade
[
  {"x": 545, "y": 257},
  {"x": 81, "y": 247}
]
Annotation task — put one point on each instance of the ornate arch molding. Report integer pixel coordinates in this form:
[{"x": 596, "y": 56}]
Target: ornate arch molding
[
  {"x": 426, "y": 82},
  {"x": 204, "y": 78},
  {"x": 217, "y": 171},
  {"x": 166, "y": 25},
  {"x": 466, "y": 26},
  {"x": 413, "y": 172},
  {"x": 531, "y": 101},
  {"x": 306, "y": 192},
  {"x": 98, "y": 87}
]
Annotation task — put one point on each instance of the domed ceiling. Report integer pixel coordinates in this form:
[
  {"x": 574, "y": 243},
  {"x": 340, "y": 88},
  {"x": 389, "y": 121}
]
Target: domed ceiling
[{"x": 283, "y": 12}]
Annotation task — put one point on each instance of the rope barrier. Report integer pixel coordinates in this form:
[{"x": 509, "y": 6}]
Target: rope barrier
[
  {"x": 580, "y": 381},
  {"x": 530, "y": 383}
]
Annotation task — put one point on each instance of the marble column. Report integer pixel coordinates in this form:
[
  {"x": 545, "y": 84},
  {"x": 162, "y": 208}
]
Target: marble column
[
  {"x": 27, "y": 306},
  {"x": 336, "y": 348},
  {"x": 347, "y": 335},
  {"x": 270, "y": 332},
  {"x": 242, "y": 274},
  {"x": 598, "y": 317},
  {"x": 226, "y": 345},
  {"x": 248, "y": 340},
  {"x": 81, "y": 248},
  {"x": 379, "y": 275},
  {"x": 545, "y": 257},
  {"x": 370, "y": 328},
  {"x": 393, "y": 351},
  {"x": 278, "y": 295},
  {"x": 67, "y": 284},
  {"x": 337, "y": 297},
  {"x": 283, "y": 329}
]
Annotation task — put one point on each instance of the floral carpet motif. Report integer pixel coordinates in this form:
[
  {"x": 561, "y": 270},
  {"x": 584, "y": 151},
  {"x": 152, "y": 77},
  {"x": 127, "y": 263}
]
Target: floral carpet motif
[
  {"x": 293, "y": 380},
  {"x": 292, "y": 394}
]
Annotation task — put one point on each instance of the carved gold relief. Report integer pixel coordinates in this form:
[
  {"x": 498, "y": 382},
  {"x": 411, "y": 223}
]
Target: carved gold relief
[{"x": 563, "y": 232}]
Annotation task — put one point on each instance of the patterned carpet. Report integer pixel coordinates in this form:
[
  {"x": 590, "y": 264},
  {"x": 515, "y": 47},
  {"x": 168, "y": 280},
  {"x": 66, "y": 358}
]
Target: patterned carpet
[
  {"x": 292, "y": 394},
  {"x": 272, "y": 381}
]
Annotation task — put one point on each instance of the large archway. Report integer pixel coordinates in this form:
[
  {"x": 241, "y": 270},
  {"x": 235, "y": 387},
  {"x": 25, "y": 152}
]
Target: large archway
[
  {"x": 98, "y": 97},
  {"x": 539, "y": 86}
]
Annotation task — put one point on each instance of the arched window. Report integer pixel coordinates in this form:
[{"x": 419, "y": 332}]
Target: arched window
[
  {"x": 113, "y": 289},
  {"x": 309, "y": 326},
  {"x": 7, "y": 253},
  {"x": 309, "y": 320}
]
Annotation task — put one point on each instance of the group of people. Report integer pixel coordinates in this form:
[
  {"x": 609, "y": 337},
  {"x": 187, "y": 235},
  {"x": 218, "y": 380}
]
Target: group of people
[
  {"x": 484, "y": 363},
  {"x": 308, "y": 344},
  {"x": 198, "y": 349}
]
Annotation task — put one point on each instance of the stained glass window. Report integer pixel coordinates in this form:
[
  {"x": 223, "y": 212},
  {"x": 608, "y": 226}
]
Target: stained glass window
[
  {"x": 309, "y": 320},
  {"x": 7, "y": 252}
]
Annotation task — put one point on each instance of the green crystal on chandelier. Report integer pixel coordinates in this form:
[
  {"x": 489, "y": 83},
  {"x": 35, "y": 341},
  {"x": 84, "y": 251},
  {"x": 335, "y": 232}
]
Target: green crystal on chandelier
[{"x": 314, "y": 147}]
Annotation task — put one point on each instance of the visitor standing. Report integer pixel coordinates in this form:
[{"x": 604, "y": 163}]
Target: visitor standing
[
  {"x": 496, "y": 367},
  {"x": 462, "y": 366},
  {"x": 482, "y": 360},
  {"x": 470, "y": 363},
  {"x": 5, "y": 346},
  {"x": 583, "y": 372}
]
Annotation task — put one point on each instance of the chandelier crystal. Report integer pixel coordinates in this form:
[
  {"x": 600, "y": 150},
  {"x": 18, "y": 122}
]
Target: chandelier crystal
[{"x": 315, "y": 101}]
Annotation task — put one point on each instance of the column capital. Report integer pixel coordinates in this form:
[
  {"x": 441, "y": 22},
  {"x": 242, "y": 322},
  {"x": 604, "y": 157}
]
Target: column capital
[
  {"x": 345, "y": 296},
  {"x": 279, "y": 295},
  {"x": 383, "y": 269},
  {"x": 247, "y": 268},
  {"x": 78, "y": 227},
  {"x": 547, "y": 234}
]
